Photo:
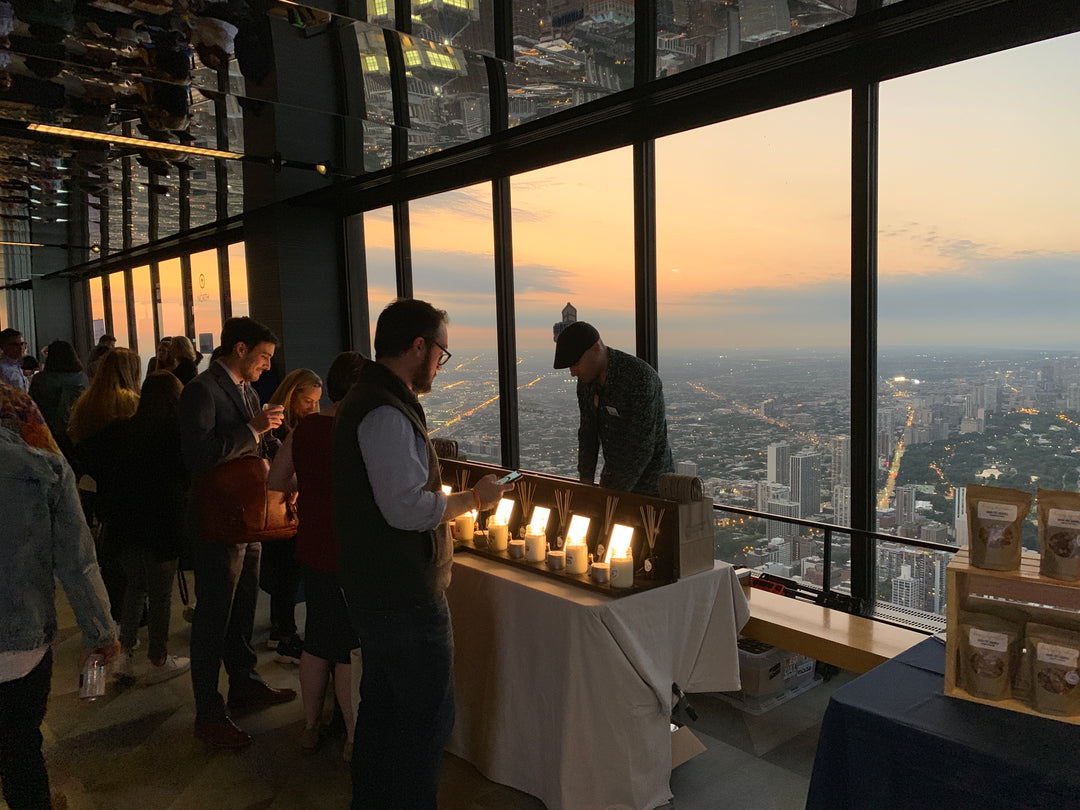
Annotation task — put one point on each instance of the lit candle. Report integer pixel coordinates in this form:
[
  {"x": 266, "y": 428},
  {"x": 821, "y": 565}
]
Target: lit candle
[
  {"x": 577, "y": 557},
  {"x": 496, "y": 529},
  {"x": 622, "y": 572},
  {"x": 466, "y": 525},
  {"x": 535, "y": 545}
]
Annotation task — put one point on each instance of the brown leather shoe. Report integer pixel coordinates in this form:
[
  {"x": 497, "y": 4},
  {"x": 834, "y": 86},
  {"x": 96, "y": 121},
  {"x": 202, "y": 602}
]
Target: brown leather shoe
[
  {"x": 256, "y": 696},
  {"x": 221, "y": 734}
]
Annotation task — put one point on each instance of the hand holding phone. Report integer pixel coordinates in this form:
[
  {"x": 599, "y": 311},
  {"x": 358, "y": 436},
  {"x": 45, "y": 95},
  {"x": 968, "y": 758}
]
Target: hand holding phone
[{"x": 509, "y": 477}]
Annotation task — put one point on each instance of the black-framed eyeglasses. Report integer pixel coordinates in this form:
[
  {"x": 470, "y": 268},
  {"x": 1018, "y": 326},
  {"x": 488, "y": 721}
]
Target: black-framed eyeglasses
[{"x": 444, "y": 358}]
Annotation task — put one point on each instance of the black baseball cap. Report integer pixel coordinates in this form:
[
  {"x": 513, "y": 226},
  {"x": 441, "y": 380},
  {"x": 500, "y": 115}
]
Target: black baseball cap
[{"x": 574, "y": 341}]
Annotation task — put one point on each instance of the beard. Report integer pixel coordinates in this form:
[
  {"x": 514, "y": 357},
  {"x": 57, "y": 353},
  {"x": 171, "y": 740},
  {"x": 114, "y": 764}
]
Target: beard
[{"x": 421, "y": 381}]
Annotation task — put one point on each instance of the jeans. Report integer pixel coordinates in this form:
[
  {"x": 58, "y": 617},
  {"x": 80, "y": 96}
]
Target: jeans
[
  {"x": 406, "y": 709},
  {"x": 147, "y": 577},
  {"x": 226, "y": 587},
  {"x": 22, "y": 708}
]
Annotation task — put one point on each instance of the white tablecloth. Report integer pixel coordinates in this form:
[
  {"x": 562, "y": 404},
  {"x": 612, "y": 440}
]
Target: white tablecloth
[{"x": 566, "y": 694}]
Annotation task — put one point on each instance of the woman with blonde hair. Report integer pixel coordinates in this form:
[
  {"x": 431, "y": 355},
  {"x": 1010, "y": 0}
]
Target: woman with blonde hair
[
  {"x": 299, "y": 394},
  {"x": 113, "y": 394},
  {"x": 182, "y": 359}
]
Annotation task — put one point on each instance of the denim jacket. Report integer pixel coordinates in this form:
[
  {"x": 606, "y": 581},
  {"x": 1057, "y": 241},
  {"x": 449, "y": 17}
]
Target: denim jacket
[{"x": 42, "y": 532}]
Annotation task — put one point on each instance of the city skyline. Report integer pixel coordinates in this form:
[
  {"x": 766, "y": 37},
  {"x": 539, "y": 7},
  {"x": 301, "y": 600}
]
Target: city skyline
[{"x": 976, "y": 238}]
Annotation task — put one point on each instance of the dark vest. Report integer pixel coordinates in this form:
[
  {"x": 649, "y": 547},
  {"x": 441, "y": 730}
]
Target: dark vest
[{"x": 381, "y": 567}]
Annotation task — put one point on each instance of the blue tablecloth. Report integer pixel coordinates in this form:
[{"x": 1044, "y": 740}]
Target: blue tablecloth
[{"x": 891, "y": 738}]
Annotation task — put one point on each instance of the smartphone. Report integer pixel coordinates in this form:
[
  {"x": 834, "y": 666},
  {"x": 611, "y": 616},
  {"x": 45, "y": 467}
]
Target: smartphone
[{"x": 506, "y": 479}]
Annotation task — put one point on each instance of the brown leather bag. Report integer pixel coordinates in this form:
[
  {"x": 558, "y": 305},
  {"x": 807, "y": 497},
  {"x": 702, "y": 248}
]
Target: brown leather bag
[{"x": 236, "y": 507}]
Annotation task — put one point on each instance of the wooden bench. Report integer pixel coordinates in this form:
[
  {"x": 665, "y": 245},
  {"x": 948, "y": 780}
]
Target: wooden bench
[{"x": 850, "y": 642}]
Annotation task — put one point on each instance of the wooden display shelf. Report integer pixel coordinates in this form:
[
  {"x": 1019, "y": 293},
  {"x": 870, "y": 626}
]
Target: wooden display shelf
[{"x": 1044, "y": 600}]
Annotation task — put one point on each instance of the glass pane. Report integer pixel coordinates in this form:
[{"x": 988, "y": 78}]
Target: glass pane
[
  {"x": 448, "y": 95},
  {"x": 558, "y": 263},
  {"x": 141, "y": 180},
  {"x": 381, "y": 13},
  {"x": 238, "y": 280},
  {"x": 114, "y": 201},
  {"x": 168, "y": 203},
  {"x": 565, "y": 55},
  {"x": 119, "y": 308},
  {"x": 206, "y": 303},
  {"x": 453, "y": 263},
  {"x": 753, "y": 288},
  {"x": 461, "y": 23},
  {"x": 977, "y": 247},
  {"x": 97, "y": 308},
  {"x": 144, "y": 312},
  {"x": 381, "y": 273},
  {"x": 203, "y": 196},
  {"x": 692, "y": 34},
  {"x": 170, "y": 298}
]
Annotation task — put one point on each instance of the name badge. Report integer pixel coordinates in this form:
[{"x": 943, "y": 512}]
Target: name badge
[{"x": 612, "y": 411}]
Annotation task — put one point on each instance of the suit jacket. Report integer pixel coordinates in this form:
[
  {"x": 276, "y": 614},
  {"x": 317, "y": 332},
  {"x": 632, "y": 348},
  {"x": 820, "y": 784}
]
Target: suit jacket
[{"x": 213, "y": 421}]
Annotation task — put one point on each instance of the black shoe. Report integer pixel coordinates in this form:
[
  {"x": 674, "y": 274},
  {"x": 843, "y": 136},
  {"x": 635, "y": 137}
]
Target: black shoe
[
  {"x": 288, "y": 650},
  {"x": 257, "y": 695}
]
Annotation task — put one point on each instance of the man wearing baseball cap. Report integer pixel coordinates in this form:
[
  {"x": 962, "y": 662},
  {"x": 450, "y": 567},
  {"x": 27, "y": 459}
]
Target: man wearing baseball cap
[{"x": 621, "y": 400}]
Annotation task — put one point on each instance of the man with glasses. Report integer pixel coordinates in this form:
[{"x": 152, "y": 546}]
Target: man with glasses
[
  {"x": 13, "y": 347},
  {"x": 395, "y": 555}
]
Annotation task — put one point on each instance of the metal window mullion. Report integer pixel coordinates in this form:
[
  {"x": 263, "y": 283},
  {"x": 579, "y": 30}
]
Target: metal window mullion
[
  {"x": 129, "y": 303},
  {"x": 505, "y": 322},
  {"x": 864, "y": 308},
  {"x": 645, "y": 306},
  {"x": 188, "y": 296},
  {"x": 644, "y": 42},
  {"x": 402, "y": 250},
  {"x": 356, "y": 286},
  {"x": 498, "y": 101},
  {"x": 224, "y": 282},
  {"x": 504, "y": 30},
  {"x": 106, "y": 304},
  {"x": 155, "y": 299}
]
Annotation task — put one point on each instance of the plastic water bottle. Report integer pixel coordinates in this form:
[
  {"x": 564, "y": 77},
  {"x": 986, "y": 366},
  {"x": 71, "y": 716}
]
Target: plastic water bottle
[{"x": 92, "y": 678}]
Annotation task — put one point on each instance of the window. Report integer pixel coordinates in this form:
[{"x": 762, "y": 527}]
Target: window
[
  {"x": 117, "y": 297},
  {"x": 753, "y": 286},
  {"x": 454, "y": 269},
  {"x": 144, "y": 313},
  {"x": 573, "y": 246},
  {"x": 238, "y": 280},
  {"x": 97, "y": 308},
  {"x": 206, "y": 303},
  {"x": 170, "y": 298},
  {"x": 381, "y": 273},
  {"x": 977, "y": 248}
]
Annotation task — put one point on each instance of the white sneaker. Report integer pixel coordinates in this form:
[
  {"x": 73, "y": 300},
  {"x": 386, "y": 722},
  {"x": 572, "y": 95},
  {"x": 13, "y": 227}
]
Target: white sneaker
[
  {"x": 172, "y": 667},
  {"x": 123, "y": 668}
]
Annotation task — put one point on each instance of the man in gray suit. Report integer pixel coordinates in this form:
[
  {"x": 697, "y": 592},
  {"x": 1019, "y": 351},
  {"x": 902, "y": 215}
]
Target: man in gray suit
[{"x": 220, "y": 419}]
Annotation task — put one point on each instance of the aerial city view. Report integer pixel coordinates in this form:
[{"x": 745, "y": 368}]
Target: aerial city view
[{"x": 770, "y": 432}]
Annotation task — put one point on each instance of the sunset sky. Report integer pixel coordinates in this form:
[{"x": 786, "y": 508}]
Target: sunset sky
[{"x": 978, "y": 241}]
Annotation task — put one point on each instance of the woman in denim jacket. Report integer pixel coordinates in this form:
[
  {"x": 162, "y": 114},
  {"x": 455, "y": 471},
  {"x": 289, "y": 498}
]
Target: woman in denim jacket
[{"x": 44, "y": 534}]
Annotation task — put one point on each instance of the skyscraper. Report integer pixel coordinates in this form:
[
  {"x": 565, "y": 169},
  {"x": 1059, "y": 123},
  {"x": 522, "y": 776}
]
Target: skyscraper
[
  {"x": 804, "y": 478},
  {"x": 905, "y": 505},
  {"x": 840, "y": 449},
  {"x": 778, "y": 528},
  {"x": 569, "y": 316},
  {"x": 778, "y": 455}
]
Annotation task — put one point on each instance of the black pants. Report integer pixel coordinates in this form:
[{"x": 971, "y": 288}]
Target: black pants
[
  {"x": 279, "y": 576},
  {"x": 22, "y": 709},
  {"x": 226, "y": 585}
]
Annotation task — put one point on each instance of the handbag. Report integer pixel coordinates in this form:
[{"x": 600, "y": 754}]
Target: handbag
[{"x": 236, "y": 507}]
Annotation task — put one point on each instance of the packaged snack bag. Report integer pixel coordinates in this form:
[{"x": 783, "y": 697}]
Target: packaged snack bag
[{"x": 995, "y": 526}]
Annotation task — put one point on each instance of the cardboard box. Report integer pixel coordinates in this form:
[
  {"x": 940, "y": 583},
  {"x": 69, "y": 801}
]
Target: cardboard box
[{"x": 684, "y": 745}]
